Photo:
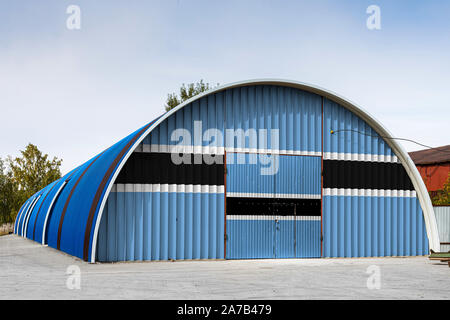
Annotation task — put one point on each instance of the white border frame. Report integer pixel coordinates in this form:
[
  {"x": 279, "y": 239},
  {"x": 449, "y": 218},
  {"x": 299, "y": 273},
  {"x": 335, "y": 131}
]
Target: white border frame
[{"x": 408, "y": 164}]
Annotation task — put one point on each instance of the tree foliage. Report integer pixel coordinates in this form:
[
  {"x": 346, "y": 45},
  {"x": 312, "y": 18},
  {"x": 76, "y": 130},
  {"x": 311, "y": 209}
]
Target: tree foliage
[
  {"x": 23, "y": 176},
  {"x": 186, "y": 92},
  {"x": 443, "y": 196}
]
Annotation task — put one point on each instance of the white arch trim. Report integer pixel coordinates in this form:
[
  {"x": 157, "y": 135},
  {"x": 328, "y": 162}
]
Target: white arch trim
[
  {"x": 408, "y": 164},
  {"x": 19, "y": 216}
]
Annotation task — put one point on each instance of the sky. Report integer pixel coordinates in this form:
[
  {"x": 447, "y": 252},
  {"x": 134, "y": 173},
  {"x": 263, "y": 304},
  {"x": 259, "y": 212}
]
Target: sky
[{"x": 74, "y": 93}]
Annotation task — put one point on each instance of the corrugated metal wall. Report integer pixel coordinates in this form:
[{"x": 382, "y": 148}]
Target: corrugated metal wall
[
  {"x": 443, "y": 222},
  {"x": 150, "y": 222},
  {"x": 199, "y": 119},
  {"x": 367, "y": 225},
  {"x": 362, "y": 143},
  {"x": 296, "y": 114},
  {"x": 254, "y": 107},
  {"x": 296, "y": 175},
  {"x": 280, "y": 227},
  {"x": 260, "y": 236},
  {"x": 369, "y": 208},
  {"x": 159, "y": 210},
  {"x": 295, "y": 119}
]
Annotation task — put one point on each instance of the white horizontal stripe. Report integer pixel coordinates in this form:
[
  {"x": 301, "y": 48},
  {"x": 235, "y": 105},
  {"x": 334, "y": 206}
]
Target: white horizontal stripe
[
  {"x": 274, "y": 151},
  {"x": 272, "y": 218},
  {"x": 172, "y": 188},
  {"x": 249, "y": 195},
  {"x": 360, "y": 157},
  {"x": 369, "y": 193},
  {"x": 297, "y": 196},
  {"x": 163, "y": 148},
  {"x": 272, "y": 195}
]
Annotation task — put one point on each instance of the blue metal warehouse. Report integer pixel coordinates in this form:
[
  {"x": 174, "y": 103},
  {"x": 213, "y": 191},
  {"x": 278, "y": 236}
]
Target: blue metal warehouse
[{"x": 254, "y": 169}]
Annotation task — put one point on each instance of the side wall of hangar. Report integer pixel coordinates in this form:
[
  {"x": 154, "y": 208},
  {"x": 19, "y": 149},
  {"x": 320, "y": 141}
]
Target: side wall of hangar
[{"x": 246, "y": 170}]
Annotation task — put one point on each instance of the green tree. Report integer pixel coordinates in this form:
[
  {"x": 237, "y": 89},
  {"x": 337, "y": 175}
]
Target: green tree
[
  {"x": 443, "y": 196},
  {"x": 7, "y": 195},
  {"x": 186, "y": 92},
  {"x": 31, "y": 172}
]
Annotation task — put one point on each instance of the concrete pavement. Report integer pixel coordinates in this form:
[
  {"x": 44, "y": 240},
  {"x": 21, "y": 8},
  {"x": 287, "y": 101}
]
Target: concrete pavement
[{"x": 31, "y": 271}]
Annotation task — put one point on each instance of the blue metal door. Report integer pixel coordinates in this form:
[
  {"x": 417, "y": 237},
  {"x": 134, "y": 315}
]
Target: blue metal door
[
  {"x": 273, "y": 216},
  {"x": 284, "y": 237},
  {"x": 298, "y": 189}
]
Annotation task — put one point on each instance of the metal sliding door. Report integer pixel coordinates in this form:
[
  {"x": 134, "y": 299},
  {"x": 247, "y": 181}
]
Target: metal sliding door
[{"x": 273, "y": 216}]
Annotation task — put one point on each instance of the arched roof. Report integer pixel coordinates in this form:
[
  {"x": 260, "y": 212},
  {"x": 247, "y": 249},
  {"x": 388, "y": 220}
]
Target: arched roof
[{"x": 91, "y": 184}]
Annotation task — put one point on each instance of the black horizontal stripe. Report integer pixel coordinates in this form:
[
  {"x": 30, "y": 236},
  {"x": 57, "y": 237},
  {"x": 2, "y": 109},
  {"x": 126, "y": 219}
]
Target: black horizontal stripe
[
  {"x": 158, "y": 168},
  {"x": 365, "y": 175},
  {"x": 273, "y": 206}
]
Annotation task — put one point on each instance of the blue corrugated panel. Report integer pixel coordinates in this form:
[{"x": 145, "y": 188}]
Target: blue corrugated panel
[
  {"x": 207, "y": 112},
  {"x": 258, "y": 236},
  {"x": 297, "y": 115},
  {"x": 22, "y": 215},
  {"x": 267, "y": 238},
  {"x": 142, "y": 225},
  {"x": 103, "y": 169},
  {"x": 26, "y": 213},
  {"x": 250, "y": 239},
  {"x": 362, "y": 140},
  {"x": 79, "y": 194},
  {"x": 285, "y": 241},
  {"x": 19, "y": 215},
  {"x": 244, "y": 175},
  {"x": 298, "y": 175},
  {"x": 60, "y": 204},
  {"x": 307, "y": 238},
  {"x": 295, "y": 175},
  {"x": 43, "y": 216},
  {"x": 33, "y": 214},
  {"x": 373, "y": 226}
]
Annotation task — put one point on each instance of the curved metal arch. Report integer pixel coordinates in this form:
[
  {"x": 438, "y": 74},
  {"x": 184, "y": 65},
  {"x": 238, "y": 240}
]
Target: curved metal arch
[
  {"x": 413, "y": 173},
  {"x": 19, "y": 216}
]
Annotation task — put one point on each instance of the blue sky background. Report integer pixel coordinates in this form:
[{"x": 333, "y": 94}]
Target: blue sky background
[{"x": 74, "y": 93}]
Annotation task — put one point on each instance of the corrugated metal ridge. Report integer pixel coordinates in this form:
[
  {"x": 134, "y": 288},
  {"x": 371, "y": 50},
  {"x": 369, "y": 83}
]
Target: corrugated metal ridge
[
  {"x": 39, "y": 210},
  {"x": 19, "y": 213},
  {"x": 101, "y": 189},
  {"x": 61, "y": 220}
]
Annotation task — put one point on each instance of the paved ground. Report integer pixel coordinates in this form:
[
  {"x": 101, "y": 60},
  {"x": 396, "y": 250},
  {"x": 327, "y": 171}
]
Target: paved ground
[{"x": 31, "y": 271}]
